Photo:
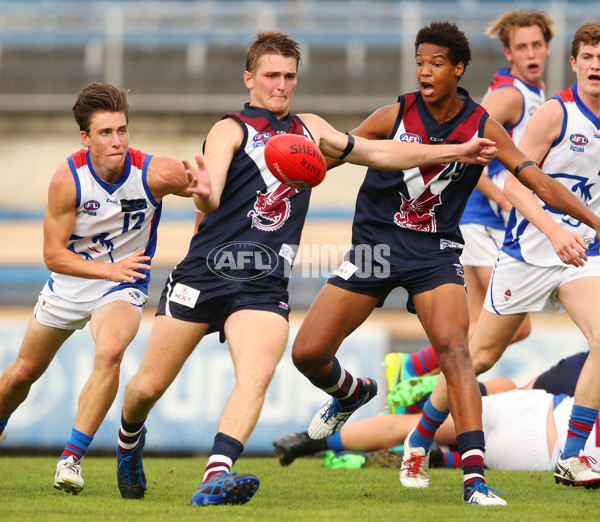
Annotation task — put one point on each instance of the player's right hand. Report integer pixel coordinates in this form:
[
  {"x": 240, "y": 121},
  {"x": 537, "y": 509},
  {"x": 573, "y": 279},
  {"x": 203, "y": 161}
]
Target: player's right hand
[
  {"x": 569, "y": 247},
  {"x": 126, "y": 270},
  {"x": 198, "y": 178},
  {"x": 479, "y": 151}
]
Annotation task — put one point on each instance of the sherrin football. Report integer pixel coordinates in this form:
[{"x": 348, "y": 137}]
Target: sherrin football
[{"x": 295, "y": 160}]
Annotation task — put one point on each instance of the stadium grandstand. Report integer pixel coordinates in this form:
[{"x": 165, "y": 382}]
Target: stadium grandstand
[{"x": 183, "y": 61}]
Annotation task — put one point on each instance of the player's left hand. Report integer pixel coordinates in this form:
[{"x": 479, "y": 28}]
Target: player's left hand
[
  {"x": 198, "y": 177},
  {"x": 479, "y": 151}
]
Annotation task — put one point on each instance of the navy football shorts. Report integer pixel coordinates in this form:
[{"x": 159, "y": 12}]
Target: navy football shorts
[
  {"x": 195, "y": 294},
  {"x": 379, "y": 280}
]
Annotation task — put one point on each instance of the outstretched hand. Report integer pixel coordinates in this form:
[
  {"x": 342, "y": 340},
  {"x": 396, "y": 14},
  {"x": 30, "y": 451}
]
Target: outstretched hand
[
  {"x": 198, "y": 177},
  {"x": 479, "y": 151}
]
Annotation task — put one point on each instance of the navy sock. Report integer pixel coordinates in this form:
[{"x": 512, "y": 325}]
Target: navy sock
[
  {"x": 224, "y": 453},
  {"x": 471, "y": 446},
  {"x": 339, "y": 384}
]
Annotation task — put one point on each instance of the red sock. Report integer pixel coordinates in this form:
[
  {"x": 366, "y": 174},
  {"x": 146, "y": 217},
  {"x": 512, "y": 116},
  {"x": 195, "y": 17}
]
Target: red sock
[{"x": 424, "y": 360}]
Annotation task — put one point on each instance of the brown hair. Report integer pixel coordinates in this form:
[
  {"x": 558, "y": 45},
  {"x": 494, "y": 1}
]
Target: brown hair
[
  {"x": 587, "y": 34},
  {"x": 502, "y": 26},
  {"x": 99, "y": 97},
  {"x": 271, "y": 42}
]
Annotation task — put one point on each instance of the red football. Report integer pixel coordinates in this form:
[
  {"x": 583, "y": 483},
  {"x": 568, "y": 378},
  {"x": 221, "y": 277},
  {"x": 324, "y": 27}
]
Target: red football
[{"x": 295, "y": 160}]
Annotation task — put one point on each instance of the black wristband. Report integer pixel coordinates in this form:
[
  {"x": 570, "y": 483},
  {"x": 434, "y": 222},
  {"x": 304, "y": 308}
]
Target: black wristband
[
  {"x": 349, "y": 147},
  {"x": 521, "y": 166}
]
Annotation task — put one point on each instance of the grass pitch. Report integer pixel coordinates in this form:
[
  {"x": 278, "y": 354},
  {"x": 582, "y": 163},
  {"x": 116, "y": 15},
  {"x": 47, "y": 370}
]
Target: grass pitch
[{"x": 304, "y": 491}]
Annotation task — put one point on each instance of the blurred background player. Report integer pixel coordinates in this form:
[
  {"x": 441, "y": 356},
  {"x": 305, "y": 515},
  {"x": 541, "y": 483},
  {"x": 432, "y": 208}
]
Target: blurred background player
[
  {"x": 405, "y": 233},
  {"x": 536, "y": 262},
  {"x": 104, "y": 206},
  {"x": 512, "y": 97},
  {"x": 248, "y": 305}
]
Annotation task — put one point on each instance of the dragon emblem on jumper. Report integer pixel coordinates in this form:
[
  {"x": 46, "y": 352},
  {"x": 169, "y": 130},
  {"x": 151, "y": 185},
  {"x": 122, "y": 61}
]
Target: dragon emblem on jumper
[
  {"x": 418, "y": 213},
  {"x": 272, "y": 209}
]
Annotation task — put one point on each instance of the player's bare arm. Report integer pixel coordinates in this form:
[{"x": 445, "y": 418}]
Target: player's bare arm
[
  {"x": 392, "y": 155},
  {"x": 222, "y": 142},
  {"x": 491, "y": 191},
  {"x": 167, "y": 176},
  {"x": 505, "y": 105},
  {"x": 59, "y": 221},
  {"x": 379, "y": 125}
]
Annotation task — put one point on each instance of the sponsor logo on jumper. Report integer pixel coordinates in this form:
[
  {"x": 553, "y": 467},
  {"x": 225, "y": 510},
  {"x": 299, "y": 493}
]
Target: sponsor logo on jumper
[
  {"x": 133, "y": 205},
  {"x": 260, "y": 139},
  {"x": 578, "y": 142},
  {"x": 409, "y": 137},
  {"x": 452, "y": 245},
  {"x": 90, "y": 207}
]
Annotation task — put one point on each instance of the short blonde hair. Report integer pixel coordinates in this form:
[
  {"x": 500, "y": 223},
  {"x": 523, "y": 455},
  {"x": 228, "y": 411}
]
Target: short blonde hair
[{"x": 502, "y": 26}]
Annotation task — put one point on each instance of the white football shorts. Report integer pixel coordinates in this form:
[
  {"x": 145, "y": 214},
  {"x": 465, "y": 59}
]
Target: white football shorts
[
  {"x": 482, "y": 244},
  {"x": 518, "y": 287},
  {"x": 57, "y": 312},
  {"x": 515, "y": 429}
]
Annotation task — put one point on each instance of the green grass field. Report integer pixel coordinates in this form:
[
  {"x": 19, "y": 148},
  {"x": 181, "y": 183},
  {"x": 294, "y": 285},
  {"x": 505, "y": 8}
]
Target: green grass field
[{"x": 304, "y": 491}]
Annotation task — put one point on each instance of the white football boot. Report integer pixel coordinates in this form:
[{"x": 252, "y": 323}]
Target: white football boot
[{"x": 68, "y": 476}]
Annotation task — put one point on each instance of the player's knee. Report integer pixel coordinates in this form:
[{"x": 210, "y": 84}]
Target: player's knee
[
  {"x": 143, "y": 391},
  {"x": 109, "y": 360},
  {"x": 23, "y": 375},
  {"x": 308, "y": 362},
  {"x": 482, "y": 364},
  {"x": 452, "y": 358}
]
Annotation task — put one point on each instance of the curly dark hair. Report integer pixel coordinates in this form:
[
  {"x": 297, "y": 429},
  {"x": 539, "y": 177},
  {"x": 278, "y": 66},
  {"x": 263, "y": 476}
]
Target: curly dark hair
[{"x": 446, "y": 34}]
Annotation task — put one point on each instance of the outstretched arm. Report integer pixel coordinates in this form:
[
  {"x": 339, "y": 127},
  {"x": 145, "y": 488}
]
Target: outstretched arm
[{"x": 387, "y": 154}]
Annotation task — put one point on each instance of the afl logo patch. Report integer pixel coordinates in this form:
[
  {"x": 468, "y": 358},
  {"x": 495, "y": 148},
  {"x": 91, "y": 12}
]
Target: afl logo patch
[
  {"x": 92, "y": 204},
  {"x": 410, "y": 138},
  {"x": 242, "y": 260},
  {"x": 578, "y": 139},
  {"x": 260, "y": 139}
]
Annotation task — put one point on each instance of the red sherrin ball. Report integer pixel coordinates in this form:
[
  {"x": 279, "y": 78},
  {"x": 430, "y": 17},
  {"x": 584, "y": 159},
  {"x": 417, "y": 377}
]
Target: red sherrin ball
[{"x": 295, "y": 160}]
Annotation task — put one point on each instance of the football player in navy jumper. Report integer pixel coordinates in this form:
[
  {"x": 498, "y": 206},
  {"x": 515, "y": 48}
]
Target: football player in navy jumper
[
  {"x": 405, "y": 233},
  {"x": 234, "y": 277}
]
